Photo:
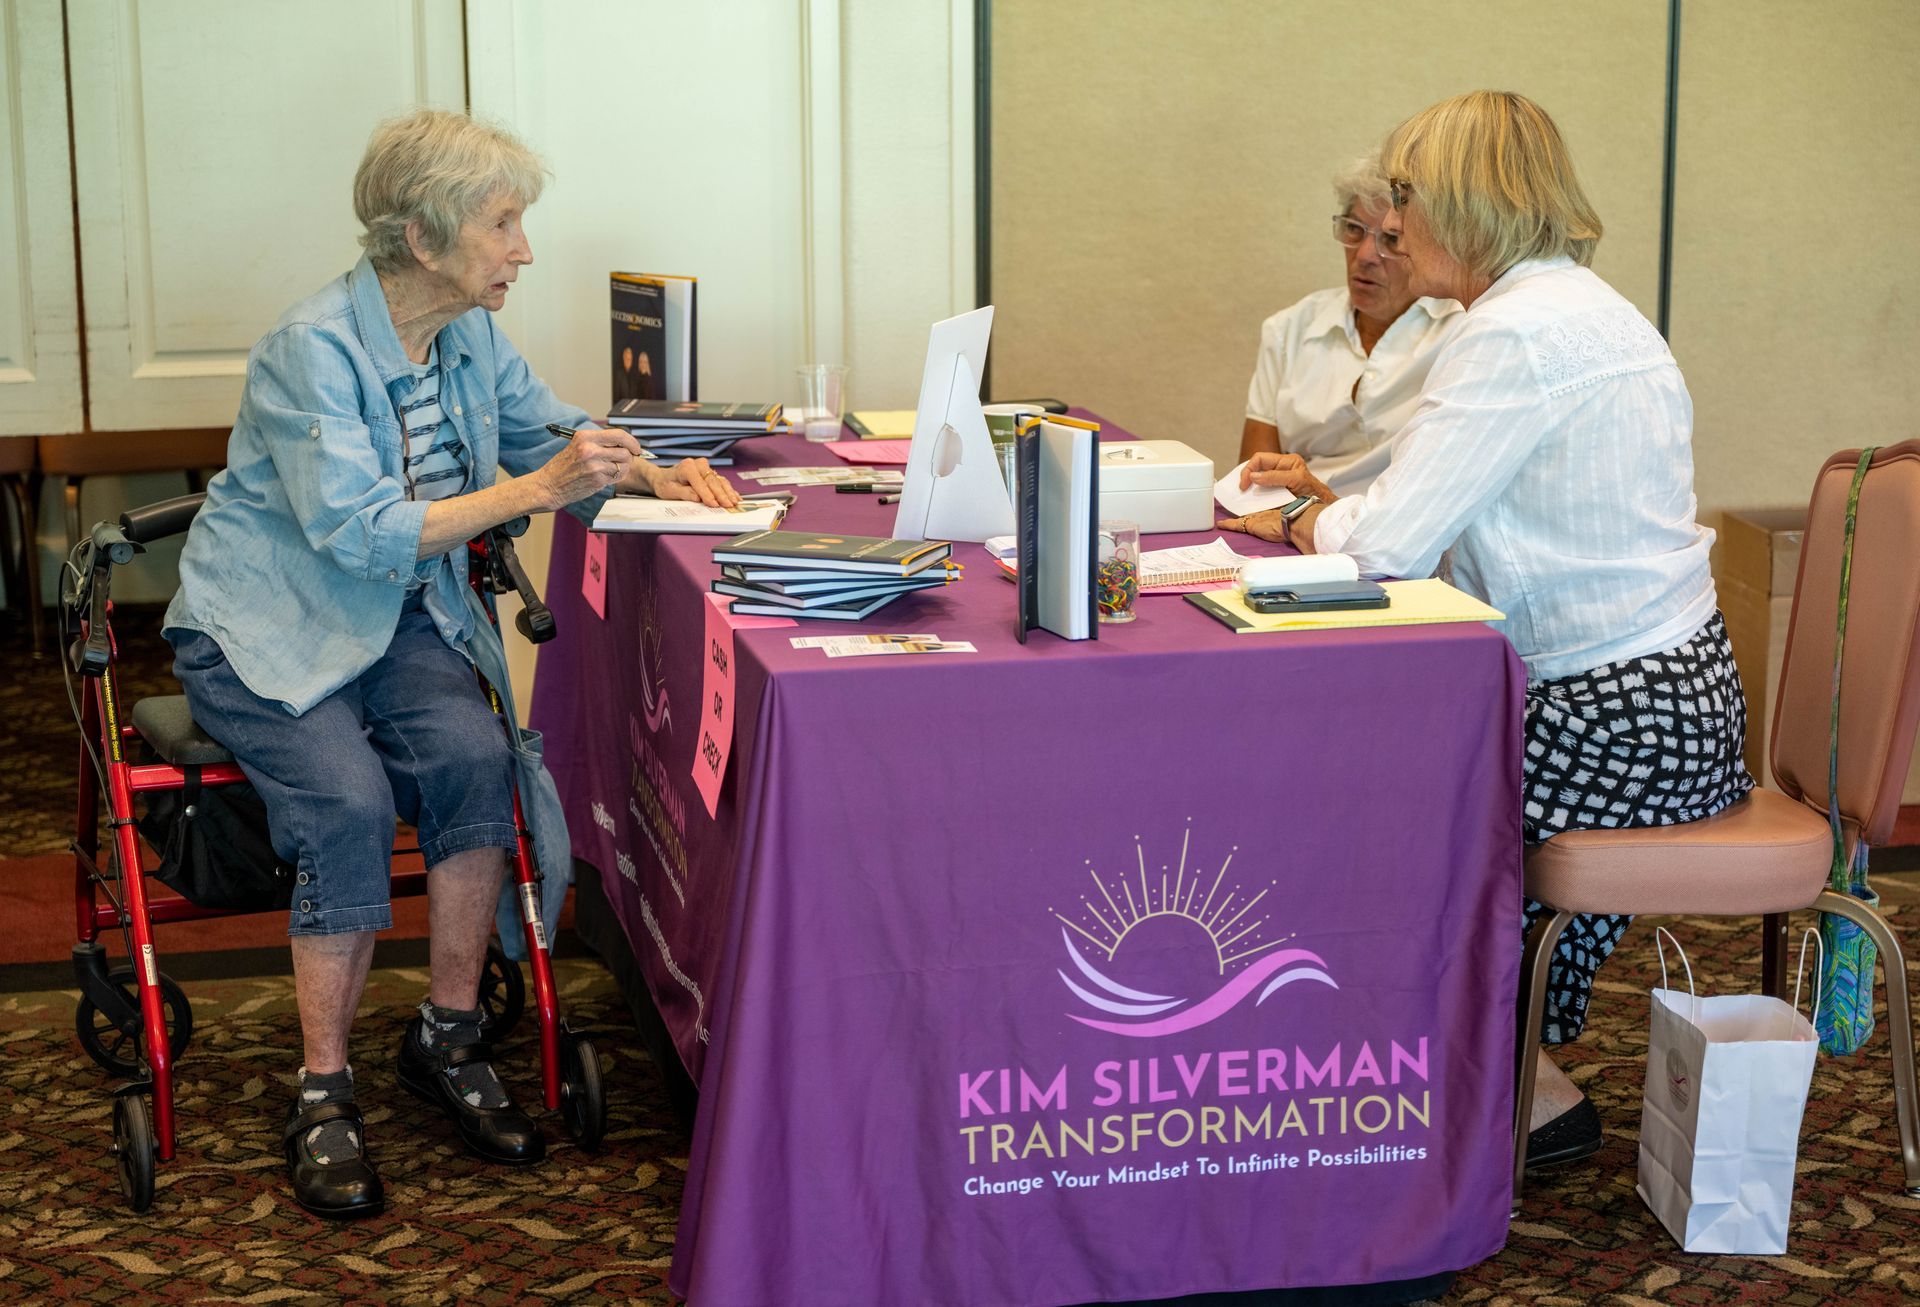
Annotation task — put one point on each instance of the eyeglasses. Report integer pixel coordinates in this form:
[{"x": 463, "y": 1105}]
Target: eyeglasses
[
  {"x": 1401, "y": 190},
  {"x": 1350, "y": 233}
]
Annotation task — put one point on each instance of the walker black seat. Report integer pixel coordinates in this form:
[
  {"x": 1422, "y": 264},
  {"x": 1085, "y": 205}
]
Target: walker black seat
[{"x": 165, "y": 723}]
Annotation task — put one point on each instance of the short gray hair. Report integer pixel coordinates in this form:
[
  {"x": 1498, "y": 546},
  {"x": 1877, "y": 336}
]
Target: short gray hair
[
  {"x": 1362, "y": 184},
  {"x": 438, "y": 169}
]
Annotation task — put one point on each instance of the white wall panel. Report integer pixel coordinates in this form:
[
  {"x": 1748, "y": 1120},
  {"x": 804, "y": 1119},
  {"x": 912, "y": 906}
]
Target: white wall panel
[
  {"x": 1161, "y": 172},
  {"x": 39, "y": 324},
  {"x": 1797, "y": 334},
  {"x": 676, "y": 136},
  {"x": 215, "y": 144},
  {"x": 909, "y": 187}
]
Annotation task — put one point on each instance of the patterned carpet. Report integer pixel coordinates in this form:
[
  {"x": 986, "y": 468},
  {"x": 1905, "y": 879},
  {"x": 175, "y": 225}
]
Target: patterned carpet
[
  {"x": 39, "y": 743},
  {"x": 577, "y": 1228},
  {"x": 601, "y": 1228}
]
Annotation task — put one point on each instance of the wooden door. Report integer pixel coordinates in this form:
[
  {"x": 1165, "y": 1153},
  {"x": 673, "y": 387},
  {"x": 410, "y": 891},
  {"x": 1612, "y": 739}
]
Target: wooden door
[{"x": 215, "y": 143}]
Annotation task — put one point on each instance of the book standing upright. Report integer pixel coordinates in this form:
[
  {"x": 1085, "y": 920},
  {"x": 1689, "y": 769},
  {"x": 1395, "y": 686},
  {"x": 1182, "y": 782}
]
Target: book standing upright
[
  {"x": 656, "y": 337},
  {"x": 1057, "y": 524}
]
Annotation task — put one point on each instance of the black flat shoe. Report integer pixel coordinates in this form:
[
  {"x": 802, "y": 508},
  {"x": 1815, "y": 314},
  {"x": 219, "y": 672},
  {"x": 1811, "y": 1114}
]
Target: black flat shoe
[
  {"x": 499, "y": 1134},
  {"x": 1569, "y": 1137},
  {"x": 337, "y": 1187}
]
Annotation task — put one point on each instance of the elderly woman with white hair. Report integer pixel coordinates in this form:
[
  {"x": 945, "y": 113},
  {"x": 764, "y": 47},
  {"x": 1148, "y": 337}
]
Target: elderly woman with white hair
[
  {"x": 1549, "y": 463},
  {"x": 318, "y": 623},
  {"x": 1339, "y": 373}
]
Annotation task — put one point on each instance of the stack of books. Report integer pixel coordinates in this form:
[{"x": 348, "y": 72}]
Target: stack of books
[
  {"x": 844, "y": 578},
  {"x": 669, "y": 431}
]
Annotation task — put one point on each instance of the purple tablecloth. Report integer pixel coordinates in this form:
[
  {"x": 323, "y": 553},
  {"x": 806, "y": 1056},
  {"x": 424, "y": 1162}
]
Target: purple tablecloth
[{"x": 1171, "y": 962}]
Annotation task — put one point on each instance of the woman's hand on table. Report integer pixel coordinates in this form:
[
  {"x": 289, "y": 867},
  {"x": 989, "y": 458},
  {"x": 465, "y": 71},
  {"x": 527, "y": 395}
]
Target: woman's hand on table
[
  {"x": 595, "y": 458},
  {"x": 1288, "y": 470},
  {"x": 692, "y": 478}
]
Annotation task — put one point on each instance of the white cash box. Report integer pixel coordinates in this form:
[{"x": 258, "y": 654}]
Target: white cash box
[{"x": 1160, "y": 485}]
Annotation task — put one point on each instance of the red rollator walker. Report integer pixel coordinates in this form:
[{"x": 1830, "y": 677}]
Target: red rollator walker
[{"x": 133, "y": 1019}]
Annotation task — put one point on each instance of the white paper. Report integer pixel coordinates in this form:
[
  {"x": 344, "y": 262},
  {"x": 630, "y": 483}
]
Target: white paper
[
  {"x": 913, "y": 647},
  {"x": 1297, "y": 569},
  {"x": 684, "y": 517},
  {"x": 849, "y": 641},
  {"x": 823, "y": 476},
  {"x": 1157, "y": 565},
  {"x": 1002, "y": 546},
  {"x": 1251, "y": 500}
]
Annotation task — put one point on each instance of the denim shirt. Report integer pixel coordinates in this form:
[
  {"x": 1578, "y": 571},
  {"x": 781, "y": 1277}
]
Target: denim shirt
[{"x": 299, "y": 563}]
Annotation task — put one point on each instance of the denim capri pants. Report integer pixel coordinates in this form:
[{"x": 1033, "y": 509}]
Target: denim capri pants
[{"x": 411, "y": 735}]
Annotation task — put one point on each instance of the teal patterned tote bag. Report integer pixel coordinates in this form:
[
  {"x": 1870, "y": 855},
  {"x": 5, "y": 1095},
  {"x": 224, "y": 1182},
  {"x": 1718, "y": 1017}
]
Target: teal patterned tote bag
[{"x": 1844, "y": 1019}]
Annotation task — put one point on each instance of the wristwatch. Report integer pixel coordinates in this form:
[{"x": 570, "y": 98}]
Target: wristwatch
[{"x": 1289, "y": 513}]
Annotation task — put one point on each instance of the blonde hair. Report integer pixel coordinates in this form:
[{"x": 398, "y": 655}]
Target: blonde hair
[
  {"x": 436, "y": 168},
  {"x": 1494, "y": 182},
  {"x": 1362, "y": 184}
]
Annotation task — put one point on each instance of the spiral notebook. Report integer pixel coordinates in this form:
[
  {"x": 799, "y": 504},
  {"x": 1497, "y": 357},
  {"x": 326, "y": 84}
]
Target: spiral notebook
[
  {"x": 1188, "y": 569},
  {"x": 1190, "y": 566}
]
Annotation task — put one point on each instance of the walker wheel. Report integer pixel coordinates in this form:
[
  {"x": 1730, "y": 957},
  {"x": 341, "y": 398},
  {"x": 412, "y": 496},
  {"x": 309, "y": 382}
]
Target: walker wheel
[
  {"x": 581, "y": 1101},
  {"x": 133, "y": 1149},
  {"x": 118, "y": 1048},
  {"x": 503, "y": 995}
]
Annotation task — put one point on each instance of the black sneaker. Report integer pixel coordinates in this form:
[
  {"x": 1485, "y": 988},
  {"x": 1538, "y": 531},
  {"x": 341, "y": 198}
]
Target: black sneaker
[
  {"x": 499, "y": 1134},
  {"x": 1569, "y": 1137},
  {"x": 341, "y": 1183}
]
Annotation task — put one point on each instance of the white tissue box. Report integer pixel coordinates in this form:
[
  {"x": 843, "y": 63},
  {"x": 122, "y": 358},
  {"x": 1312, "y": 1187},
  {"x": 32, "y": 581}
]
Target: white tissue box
[{"x": 1159, "y": 485}]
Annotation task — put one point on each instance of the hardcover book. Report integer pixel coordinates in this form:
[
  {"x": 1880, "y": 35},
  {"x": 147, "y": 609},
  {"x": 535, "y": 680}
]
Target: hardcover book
[
  {"x": 663, "y": 305},
  {"x": 844, "y": 553},
  {"x": 799, "y": 581},
  {"x": 1057, "y": 523},
  {"x": 839, "y": 596},
  {"x": 683, "y": 516},
  {"x": 851, "y": 611},
  {"x": 639, "y": 338},
  {"x": 692, "y": 416}
]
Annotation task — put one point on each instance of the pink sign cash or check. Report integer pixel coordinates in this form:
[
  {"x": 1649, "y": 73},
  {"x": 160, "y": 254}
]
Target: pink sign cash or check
[
  {"x": 715, "y": 743},
  {"x": 593, "y": 574}
]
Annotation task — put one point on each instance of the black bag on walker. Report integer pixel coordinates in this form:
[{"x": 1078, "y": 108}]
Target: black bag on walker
[{"x": 214, "y": 847}]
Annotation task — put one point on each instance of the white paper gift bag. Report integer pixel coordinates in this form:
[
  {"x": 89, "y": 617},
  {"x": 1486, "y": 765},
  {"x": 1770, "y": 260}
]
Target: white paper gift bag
[{"x": 1726, "y": 1085}]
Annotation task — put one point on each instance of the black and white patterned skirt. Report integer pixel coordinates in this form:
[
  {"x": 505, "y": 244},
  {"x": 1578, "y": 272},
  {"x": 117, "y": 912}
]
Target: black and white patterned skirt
[{"x": 1650, "y": 741}]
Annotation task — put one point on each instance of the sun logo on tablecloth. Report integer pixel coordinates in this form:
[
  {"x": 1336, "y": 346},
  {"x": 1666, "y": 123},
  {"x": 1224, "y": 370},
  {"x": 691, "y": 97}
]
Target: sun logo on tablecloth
[
  {"x": 653, "y": 673},
  {"x": 1125, "y": 904}
]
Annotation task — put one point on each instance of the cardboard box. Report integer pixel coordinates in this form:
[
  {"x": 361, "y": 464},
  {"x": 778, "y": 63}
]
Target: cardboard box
[{"x": 1755, "y": 566}]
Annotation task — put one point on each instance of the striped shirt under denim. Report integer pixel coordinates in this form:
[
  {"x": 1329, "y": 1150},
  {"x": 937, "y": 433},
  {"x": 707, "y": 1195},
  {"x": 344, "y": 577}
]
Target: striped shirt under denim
[{"x": 436, "y": 466}]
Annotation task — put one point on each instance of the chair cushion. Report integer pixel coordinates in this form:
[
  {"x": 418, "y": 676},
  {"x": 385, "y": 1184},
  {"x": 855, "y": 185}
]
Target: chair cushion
[
  {"x": 165, "y": 723},
  {"x": 1766, "y": 853}
]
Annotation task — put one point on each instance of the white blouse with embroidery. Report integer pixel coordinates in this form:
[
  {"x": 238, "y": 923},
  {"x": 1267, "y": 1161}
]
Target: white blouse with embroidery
[{"x": 1550, "y": 460}]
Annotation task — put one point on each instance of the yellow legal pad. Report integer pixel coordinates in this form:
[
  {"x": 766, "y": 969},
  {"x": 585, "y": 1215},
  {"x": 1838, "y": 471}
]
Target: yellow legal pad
[
  {"x": 883, "y": 424},
  {"x": 1409, "y": 603}
]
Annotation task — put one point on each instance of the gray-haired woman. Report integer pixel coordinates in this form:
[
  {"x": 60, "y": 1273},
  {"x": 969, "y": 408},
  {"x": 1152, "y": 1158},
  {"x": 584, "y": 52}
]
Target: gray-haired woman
[
  {"x": 320, "y": 607},
  {"x": 1339, "y": 373}
]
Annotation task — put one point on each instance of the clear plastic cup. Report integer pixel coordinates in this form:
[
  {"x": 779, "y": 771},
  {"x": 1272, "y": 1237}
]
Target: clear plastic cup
[
  {"x": 822, "y": 392},
  {"x": 1116, "y": 576}
]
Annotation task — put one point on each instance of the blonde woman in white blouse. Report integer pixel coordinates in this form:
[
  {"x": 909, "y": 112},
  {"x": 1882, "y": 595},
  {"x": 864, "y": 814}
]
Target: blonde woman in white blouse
[{"x": 1550, "y": 462}]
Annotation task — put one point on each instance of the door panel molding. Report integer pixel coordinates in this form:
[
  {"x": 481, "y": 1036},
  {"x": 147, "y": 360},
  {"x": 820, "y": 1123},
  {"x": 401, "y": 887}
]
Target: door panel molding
[
  {"x": 215, "y": 183},
  {"x": 39, "y": 306}
]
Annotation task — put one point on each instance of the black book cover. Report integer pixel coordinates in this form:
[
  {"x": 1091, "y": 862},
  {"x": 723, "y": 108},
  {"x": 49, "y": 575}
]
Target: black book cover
[
  {"x": 1093, "y": 531},
  {"x": 814, "y": 550},
  {"x": 1027, "y": 528},
  {"x": 687, "y": 416},
  {"x": 639, "y": 339}
]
